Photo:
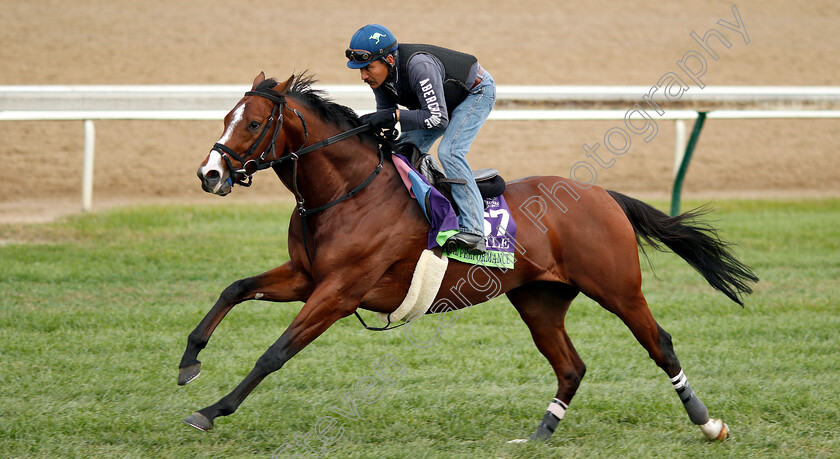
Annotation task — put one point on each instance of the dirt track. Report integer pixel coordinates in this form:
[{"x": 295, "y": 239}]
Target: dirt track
[{"x": 530, "y": 42}]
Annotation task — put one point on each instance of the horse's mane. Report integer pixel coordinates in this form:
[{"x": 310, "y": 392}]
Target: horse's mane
[{"x": 302, "y": 91}]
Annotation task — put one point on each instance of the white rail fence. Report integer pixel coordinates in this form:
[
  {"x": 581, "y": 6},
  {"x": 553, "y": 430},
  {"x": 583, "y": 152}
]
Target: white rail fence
[{"x": 212, "y": 102}]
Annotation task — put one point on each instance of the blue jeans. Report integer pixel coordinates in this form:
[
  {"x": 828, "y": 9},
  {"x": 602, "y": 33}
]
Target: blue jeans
[{"x": 455, "y": 141}]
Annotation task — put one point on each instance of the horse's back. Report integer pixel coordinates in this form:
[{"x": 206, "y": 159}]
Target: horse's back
[
  {"x": 577, "y": 233},
  {"x": 556, "y": 203}
]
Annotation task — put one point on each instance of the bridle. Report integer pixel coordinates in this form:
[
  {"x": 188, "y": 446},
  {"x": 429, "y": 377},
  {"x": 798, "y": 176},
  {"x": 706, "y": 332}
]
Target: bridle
[{"x": 251, "y": 166}]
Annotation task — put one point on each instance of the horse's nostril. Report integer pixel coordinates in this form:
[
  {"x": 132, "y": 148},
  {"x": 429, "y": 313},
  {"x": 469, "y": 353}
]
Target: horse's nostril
[{"x": 212, "y": 175}]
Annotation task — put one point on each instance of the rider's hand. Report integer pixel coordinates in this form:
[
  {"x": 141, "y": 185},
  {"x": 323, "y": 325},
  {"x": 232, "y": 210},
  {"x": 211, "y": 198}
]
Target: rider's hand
[{"x": 382, "y": 119}]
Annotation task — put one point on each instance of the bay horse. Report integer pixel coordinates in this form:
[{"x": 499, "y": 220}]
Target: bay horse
[{"x": 343, "y": 256}]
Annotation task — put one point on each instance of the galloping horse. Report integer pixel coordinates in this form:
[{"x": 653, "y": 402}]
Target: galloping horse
[{"x": 343, "y": 256}]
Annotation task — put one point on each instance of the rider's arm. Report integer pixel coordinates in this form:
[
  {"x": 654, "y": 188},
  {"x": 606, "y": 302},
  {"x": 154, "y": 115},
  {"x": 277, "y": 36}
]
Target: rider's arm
[
  {"x": 383, "y": 102},
  {"x": 425, "y": 76}
]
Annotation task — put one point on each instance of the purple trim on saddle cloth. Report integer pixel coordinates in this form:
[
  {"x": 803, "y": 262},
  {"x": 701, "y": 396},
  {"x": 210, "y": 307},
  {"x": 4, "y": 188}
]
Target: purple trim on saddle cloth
[{"x": 436, "y": 208}]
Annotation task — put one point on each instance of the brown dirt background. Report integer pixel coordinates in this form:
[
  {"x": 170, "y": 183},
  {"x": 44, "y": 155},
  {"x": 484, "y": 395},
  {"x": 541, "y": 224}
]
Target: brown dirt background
[{"x": 528, "y": 42}]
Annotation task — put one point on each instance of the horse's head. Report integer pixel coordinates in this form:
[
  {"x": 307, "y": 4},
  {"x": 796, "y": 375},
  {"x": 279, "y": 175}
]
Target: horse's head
[{"x": 253, "y": 129}]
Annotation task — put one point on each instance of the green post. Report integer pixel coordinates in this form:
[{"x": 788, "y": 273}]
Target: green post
[{"x": 689, "y": 150}]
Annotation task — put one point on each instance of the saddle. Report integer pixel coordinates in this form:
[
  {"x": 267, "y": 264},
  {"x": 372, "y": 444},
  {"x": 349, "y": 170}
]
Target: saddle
[{"x": 490, "y": 183}]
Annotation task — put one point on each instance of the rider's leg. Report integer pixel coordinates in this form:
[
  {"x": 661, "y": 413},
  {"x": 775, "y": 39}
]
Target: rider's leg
[
  {"x": 422, "y": 138},
  {"x": 464, "y": 124}
]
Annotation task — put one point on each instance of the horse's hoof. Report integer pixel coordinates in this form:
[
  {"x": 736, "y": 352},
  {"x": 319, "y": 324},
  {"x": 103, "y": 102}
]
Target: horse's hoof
[
  {"x": 199, "y": 421},
  {"x": 715, "y": 430},
  {"x": 189, "y": 373}
]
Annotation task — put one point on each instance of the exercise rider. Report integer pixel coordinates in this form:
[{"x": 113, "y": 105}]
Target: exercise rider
[{"x": 446, "y": 95}]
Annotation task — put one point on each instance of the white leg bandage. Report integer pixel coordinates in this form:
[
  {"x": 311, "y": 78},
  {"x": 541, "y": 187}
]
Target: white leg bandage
[{"x": 557, "y": 408}]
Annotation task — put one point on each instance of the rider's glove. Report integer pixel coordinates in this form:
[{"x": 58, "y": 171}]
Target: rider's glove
[{"x": 382, "y": 119}]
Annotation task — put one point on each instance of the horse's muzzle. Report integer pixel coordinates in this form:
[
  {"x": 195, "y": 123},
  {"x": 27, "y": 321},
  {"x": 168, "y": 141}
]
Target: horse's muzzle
[{"x": 213, "y": 181}]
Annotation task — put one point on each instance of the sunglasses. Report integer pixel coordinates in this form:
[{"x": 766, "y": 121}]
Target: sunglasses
[
  {"x": 358, "y": 55},
  {"x": 363, "y": 56}
]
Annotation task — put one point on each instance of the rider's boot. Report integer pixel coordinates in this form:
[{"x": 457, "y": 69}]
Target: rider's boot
[{"x": 472, "y": 243}]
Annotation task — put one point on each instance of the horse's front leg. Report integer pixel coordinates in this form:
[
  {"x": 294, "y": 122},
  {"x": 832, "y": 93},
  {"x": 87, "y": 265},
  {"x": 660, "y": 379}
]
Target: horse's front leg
[
  {"x": 284, "y": 283},
  {"x": 326, "y": 305}
]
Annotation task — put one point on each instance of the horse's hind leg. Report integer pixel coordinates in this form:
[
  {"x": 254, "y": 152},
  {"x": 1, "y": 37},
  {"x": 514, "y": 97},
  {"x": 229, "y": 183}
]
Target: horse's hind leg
[
  {"x": 283, "y": 283},
  {"x": 543, "y": 306},
  {"x": 633, "y": 310}
]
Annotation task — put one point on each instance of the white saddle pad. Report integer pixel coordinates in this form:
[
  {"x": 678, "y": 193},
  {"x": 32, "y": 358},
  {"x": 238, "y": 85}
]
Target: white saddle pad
[{"x": 428, "y": 275}]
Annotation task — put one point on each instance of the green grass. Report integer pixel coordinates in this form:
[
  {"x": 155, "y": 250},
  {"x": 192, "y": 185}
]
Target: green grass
[{"x": 95, "y": 311}]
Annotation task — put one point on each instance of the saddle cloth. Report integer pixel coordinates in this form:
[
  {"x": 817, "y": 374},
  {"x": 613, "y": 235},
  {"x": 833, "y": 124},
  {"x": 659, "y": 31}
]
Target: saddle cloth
[{"x": 499, "y": 227}]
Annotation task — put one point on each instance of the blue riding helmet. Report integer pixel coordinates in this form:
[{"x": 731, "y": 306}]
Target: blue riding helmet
[{"x": 371, "y": 42}]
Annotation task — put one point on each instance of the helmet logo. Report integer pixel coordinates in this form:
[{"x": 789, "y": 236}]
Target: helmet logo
[{"x": 377, "y": 36}]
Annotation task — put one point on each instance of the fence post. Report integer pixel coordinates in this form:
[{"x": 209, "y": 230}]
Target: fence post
[
  {"x": 87, "y": 166},
  {"x": 679, "y": 144},
  {"x": 689, "y": 150}
]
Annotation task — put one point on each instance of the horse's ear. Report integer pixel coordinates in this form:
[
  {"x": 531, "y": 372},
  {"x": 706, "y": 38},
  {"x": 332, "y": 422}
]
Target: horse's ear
[
  {"x": 285, "y": 87},
  {"x": 259, "y": 79}
]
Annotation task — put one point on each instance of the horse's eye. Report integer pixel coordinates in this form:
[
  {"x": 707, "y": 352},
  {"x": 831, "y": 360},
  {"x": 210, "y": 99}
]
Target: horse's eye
[{"x": 254, "y": 125}]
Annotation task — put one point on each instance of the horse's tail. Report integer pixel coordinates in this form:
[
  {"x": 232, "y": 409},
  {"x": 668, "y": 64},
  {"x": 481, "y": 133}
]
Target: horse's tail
[{"x": 695, "y": 242}]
